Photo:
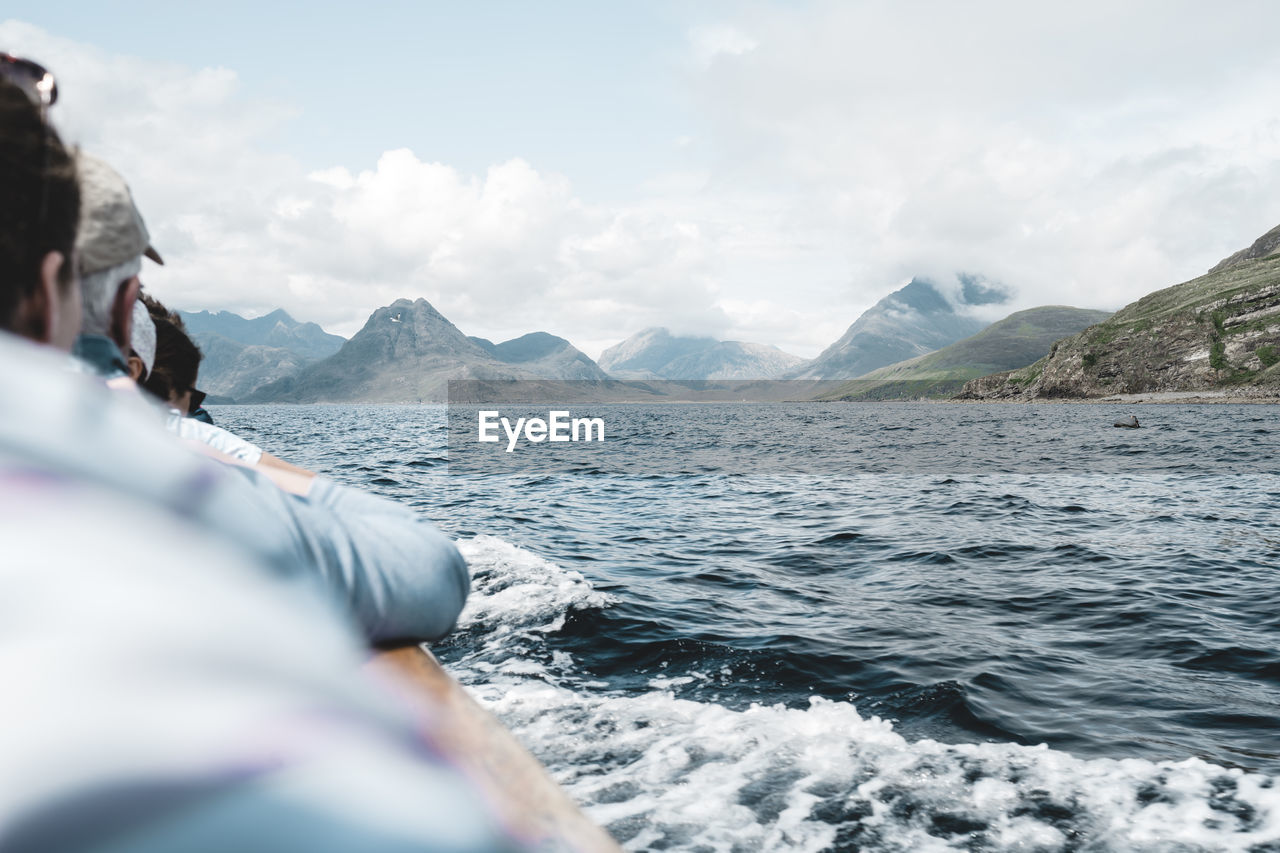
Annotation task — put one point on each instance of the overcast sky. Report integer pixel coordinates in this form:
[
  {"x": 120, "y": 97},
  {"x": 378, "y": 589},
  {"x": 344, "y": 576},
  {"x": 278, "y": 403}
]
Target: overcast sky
[{"x": 753, "y": 171}]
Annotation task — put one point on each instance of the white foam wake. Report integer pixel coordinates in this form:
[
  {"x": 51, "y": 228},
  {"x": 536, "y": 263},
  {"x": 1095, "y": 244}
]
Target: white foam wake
[
  {"x": 515, "y": 590},
  {"x": 668, "y": 773}
]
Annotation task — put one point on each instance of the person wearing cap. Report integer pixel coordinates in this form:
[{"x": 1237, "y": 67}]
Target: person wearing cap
[
  {"x": 155, "y": 703},
  {"x": 399, "y": 577},
  {"x": 111, "y": 243}
]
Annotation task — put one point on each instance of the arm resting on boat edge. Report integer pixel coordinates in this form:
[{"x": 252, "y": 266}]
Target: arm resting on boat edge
[
  {"x": 406, "y": 579},
  {"x": 398, "y": 576},
  {"x": 269, "y": 461}
]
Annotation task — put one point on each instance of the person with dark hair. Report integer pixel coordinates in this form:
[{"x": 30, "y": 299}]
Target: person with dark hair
[
  {"x": 400, "y": 577},
  {"x": 142, "y": 358},
  {"x": 159, "y": 703},
  {"x": 38, "y": 219},
  {"x": 171, "y": 380},
  {"x": 178, "y": 358}
]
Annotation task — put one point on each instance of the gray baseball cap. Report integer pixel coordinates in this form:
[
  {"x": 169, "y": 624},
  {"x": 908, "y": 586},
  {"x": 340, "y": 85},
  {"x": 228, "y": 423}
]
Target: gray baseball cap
[{"x": 111, "y": 228}]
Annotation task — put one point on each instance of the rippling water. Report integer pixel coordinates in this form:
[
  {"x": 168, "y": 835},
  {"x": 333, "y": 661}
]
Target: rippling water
[{"x": 968, "y": 627}]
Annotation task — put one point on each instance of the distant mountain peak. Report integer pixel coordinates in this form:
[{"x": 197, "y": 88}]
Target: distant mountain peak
[
  {"x": 656, "y": 353},
  {"x": 920, "y": 295},
  {"x": 915, "y": 319},
  {"x": 1011, "y": 343},
  {"x": 242, "y": 353},
  {"x": 408, "y": 351}
]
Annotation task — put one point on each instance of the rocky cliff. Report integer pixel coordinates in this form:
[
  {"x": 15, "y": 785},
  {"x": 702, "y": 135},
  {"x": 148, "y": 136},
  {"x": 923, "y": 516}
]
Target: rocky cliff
[
  {"x": 1218, "y": 331},
  {"x": 1267, "y": 244}
]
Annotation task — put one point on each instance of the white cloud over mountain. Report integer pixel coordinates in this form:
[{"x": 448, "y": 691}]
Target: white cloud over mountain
[
  {"x": 1082, "y": 156},
  {"x": 245, "y": 228},
  {"x": 1085, "y": 154}
]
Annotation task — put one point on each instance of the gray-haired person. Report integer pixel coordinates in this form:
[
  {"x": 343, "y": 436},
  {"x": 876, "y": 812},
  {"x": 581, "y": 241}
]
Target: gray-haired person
[
  {"x": 399, "y": 577},
  {"x": 155, "y": 703},
  {"x": 111, "y": 243}
]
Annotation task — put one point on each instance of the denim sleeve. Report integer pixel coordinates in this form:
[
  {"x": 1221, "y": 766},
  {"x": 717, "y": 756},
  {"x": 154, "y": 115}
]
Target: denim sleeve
[
  {"x": 397, "y": 575},
  {"x": 154, "y": 705}
]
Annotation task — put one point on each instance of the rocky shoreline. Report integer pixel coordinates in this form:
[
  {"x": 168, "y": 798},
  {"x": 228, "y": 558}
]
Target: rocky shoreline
[{"x": 1235, "y": 396}]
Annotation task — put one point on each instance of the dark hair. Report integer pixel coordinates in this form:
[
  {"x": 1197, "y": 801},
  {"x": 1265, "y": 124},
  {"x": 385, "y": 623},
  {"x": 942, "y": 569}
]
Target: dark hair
[
  {"x": 41, "y": 201},
  {"x": 177, "y": 357}
]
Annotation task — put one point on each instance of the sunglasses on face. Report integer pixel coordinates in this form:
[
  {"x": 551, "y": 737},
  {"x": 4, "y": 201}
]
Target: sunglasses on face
[{"x": 32, "y": 78}]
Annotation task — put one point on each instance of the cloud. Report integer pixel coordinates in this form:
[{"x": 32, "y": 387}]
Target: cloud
[
  {"x": 1086, "y": 154},
  {"x": 245, "y": 228},
  {"x": 512, "y": 251},
  {"x": 1082, "y": 155},
  {"x": 709, "y": 43}
]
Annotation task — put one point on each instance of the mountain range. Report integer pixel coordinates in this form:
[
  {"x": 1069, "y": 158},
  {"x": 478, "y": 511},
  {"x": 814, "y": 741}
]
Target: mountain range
[
  {"x": 408, "y": 352},
  {"x": 1217, "y": 331},
  {"x": 242, "y": 354}
]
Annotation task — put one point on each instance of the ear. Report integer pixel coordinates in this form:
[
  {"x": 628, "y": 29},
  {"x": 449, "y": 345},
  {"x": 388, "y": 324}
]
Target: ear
[
  {"x": 49, "y": 269},
  {"x": 136, "y": 368},
  {"x": 122, "y": 313},
  {"x": 36, "y": 316}
]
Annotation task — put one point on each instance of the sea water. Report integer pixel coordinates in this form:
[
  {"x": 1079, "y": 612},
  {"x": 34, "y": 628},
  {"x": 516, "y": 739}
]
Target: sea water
[{"x": 869, "y": 626}]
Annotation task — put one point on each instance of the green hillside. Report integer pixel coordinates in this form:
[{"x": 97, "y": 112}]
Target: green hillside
[
  {"x": 1015, "y": 341},
  {"x": 1218, "y": 331}
]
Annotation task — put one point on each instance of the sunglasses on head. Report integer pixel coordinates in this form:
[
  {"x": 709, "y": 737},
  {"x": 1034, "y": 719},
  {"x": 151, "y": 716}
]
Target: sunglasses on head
[
  {"x": 32, "y": 78},
  {"x": 35, "y": 81}
]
